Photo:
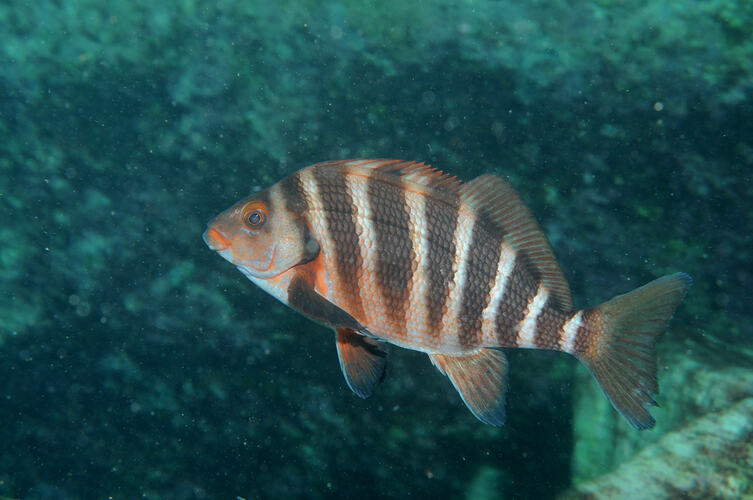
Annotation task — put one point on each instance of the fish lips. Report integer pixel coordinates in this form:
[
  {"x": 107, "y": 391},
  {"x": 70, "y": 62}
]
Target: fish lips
[{"x": 215, "y": 240}]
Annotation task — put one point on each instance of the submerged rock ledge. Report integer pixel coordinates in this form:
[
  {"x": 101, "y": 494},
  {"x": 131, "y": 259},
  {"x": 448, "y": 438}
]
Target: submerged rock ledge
[{"x": 710, "y": 457}]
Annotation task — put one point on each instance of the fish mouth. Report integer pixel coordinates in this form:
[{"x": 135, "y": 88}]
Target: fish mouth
[{"x": 215, "y": 240}]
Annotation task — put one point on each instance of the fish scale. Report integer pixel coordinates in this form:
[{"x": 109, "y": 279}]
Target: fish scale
[
  {"x": 441, "y": 251},
  {"x": 482, "y": 258},
  {"x": 377, "y": 309},
  {"x": 393, "y": 252},
  {"x": 342, "y": 242},
  {"x": 394, "y": 249}
]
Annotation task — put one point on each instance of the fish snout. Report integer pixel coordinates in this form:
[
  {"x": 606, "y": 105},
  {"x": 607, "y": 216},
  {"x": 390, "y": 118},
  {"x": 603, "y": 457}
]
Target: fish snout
[{"x": 215, "y": 240}]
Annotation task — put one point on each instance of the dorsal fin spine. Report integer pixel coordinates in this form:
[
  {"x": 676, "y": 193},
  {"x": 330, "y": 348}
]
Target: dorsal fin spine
[{"x": 418, "y": 173}]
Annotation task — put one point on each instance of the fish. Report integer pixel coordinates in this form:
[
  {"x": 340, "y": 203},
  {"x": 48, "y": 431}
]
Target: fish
[{"x": 391, "y": 252}]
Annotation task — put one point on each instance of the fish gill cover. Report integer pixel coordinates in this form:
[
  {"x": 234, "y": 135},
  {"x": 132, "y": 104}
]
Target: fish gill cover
[{"x": 133, "y": 363}]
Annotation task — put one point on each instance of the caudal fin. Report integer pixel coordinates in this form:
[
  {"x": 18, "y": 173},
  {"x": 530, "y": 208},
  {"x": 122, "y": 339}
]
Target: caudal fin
[{"x": 620, "y": 348}]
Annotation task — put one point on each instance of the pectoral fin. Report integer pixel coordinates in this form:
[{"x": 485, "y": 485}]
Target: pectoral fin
[
  {"x": 363, "y": 361},
  {"x": 303, "y": 298},
  {"x": 481, "y": 380}
]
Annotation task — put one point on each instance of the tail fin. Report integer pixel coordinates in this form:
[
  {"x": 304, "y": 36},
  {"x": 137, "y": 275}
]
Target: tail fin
[{"x": 620, "y": 349}]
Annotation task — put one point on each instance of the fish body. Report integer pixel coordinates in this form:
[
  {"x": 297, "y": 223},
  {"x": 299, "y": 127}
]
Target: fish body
[{"x": 393, "y": 252}]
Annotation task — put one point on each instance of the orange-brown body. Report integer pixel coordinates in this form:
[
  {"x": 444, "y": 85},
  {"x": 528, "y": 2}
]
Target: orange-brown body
[{"x": 392, "y": 252}]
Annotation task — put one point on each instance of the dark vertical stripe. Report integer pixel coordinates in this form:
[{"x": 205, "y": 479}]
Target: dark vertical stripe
[
  {"x": 549, "y": 325},
  {"x": 339, "y": 215},
  {"x": 519, "y": 290},
  {"x": 483, "y": 257},
  {"x": 296, "y": 203},
  {"x": 293, "y": 194},
  {"x": 441, "y": 220},
  {"x": 390, "y": 222}
]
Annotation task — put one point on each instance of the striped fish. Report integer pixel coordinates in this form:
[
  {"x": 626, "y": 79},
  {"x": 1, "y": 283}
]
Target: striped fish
[{"x": 393, "y": 252}]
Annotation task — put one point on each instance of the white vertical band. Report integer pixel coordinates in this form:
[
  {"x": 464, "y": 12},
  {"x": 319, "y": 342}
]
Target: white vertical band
[
  {"x": 318, "y": 221},
  {"x": 417, "y": 314},
  {"x": 527, "y": 327},
  {"x": 569, "y": 331},
  {"x": 462, "y": 239}
]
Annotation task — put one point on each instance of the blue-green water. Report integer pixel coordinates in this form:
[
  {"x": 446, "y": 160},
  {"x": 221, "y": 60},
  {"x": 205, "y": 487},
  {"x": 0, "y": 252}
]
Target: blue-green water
[{"x": 134, "y": 362}]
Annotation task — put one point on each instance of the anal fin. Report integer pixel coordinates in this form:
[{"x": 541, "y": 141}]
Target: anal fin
[
  {"x": 481, "y": 379},
  {"x": 363, "y": 361}
]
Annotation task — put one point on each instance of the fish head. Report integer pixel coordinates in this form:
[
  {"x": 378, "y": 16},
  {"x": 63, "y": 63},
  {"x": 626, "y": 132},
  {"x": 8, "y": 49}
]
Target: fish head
[{"x": 261, "y": 236}]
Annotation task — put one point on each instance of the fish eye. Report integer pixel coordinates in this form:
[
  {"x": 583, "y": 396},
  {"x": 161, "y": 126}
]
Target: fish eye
[{"x": 254, "y": 219}]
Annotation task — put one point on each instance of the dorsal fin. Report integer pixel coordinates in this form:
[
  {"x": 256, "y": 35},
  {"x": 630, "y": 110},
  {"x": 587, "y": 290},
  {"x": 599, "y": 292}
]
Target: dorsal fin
[
  {"x": 418, "y": 172},
  {"x": 503, "y": 208}
]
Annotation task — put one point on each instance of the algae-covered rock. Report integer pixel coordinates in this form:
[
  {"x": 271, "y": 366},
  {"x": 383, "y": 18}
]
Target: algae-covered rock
[
  {"x": 712, "y": 457},
  {"x": 694, "y": 381}
]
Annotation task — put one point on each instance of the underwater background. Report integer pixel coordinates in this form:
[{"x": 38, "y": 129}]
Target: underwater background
[{"x": 136, "y": 363}]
